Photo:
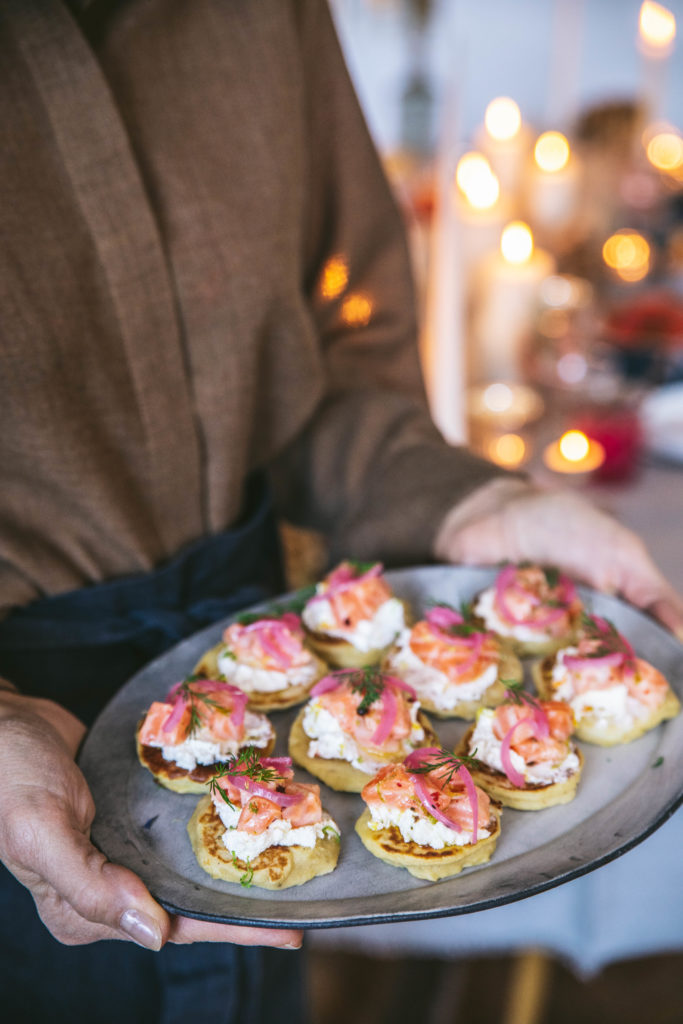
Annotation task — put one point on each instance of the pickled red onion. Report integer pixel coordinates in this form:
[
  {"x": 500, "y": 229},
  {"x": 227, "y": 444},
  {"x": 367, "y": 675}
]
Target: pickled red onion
[
  {"x": 387, "y": 718},
  {"x": 443, "y": 618},
  {"x": 239, "y": 699},
  {"x": 248, "y": 785},
  {"x": 611, "y": 660},
  {"x": 343, "y": 578},
  {"x": 176, "y": 714},
  {"x": 515, "y": 777},
  {"x": 506, "y": 580},
  {"x": 417, "y": 758}
]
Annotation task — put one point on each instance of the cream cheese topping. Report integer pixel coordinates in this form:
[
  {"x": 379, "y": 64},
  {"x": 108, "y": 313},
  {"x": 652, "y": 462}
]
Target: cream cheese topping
[
  {"x": 368, "y": 634},
  {"x": 329, "y": 741},
  {"x": 607, "y": 705},
  {"x": 488, "y": 747},
  {"x": 203, "y": 748},
  {"x": 418, "y": 829},
  {"x": 247, "y": 845},
  {"x": 432, "y": 684},
  {"x": 485, "y": 610},
  {"x": 262, "y": 680}
]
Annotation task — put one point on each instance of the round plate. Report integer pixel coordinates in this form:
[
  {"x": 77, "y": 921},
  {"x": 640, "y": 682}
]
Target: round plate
[{"x": 625, "y": 793}]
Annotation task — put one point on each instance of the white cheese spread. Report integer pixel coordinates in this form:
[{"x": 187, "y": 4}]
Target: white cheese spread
[
  {"x": 488, "y": 746},
  {"x": 433, "y": 685},
  {"x": 203, "y": 748},
  {"x": 329, "y": 741},
  {"x": 417, "y": 829},
  {"x": 608, "y": 706},
  {"x": 246, "y": 845},
  {"x": 263, "y": 680},
  {"x": 485, "y": 610},
  {"x": 368, "y": 634}
]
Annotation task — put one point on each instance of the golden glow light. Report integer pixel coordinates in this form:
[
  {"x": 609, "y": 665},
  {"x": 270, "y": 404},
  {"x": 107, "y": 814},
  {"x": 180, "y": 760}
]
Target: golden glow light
[
  {"x": 335, "y": 277},
  {"x": 656, "y": 26},
  {"x": 356, "y": 310},
  {"x": 507, "y": 450},
  {"x": 517, "y": 243},
  {"x": 628, "y": 254},
  {"x": 665, "y": 151},
  {"x": 574, "y": 445},
  {"x": 551, "y": 152},
  {"x": 476, "y": 181},
  {"x": 574, "y": 453},
  {"x": 503, "y": 119}
]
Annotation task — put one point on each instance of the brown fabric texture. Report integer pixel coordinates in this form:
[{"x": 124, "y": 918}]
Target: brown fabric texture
[{"x": 172, "y": 192}]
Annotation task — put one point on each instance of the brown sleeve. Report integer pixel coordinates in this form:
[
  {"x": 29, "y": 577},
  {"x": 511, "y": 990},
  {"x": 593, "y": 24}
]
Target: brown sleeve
[{"x": 369, "y": 469}]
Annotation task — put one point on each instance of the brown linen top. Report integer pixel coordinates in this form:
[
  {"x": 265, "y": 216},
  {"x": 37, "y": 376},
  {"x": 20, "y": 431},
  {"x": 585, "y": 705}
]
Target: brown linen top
[{"x": 201, "y": 272}]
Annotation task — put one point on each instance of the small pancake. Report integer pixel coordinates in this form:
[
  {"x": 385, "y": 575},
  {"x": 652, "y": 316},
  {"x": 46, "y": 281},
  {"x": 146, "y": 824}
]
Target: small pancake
[
  {"x": 181, "y": 780},
  {"x": 334, "y": 771},
  {"x": 277, "y": 700},
  {"x": 278, "y": 867},
  {"x": 533, "y": 797},
  {"x": 510, "y": 669},
  {"x": 423, "y": 861},
  {"x": 589, "y": 728}
]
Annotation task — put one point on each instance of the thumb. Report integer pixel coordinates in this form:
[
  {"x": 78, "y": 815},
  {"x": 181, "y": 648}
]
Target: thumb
[{"x": 80, "y": 896}]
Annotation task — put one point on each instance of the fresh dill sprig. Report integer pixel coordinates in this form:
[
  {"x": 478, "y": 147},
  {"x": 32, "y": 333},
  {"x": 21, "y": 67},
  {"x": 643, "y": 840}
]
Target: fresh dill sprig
[
  {"x": 248, "y": 876},
  {"x": 552, "y": 576},
  {"x": 245, "y": 763},
  {"x": 516, "y": 693},
  {"x": 449, "y": 763},
  {"x": 468, "y": 627},
  {"x": 191, "y": 698},
  {"x": 368, "y": 682},
  {"x": 607, "y": 641}
]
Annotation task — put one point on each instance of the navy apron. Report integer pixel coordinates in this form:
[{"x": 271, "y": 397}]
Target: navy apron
[{"x": 78, "y": 649}]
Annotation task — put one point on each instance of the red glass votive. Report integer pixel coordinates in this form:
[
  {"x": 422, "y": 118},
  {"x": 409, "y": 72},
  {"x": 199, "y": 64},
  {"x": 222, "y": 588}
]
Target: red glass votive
[{"x": 619, "y": 432}]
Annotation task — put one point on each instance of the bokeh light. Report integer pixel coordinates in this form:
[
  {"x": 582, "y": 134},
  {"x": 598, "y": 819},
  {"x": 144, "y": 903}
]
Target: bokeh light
[
  {"x": 517, "y": 242},
  {"x": 551, "y": 152},
  {"x": 503, "y": 119}
]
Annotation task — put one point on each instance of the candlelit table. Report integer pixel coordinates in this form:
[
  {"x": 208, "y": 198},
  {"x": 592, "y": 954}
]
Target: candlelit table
[{"x": 632, "y": 906}]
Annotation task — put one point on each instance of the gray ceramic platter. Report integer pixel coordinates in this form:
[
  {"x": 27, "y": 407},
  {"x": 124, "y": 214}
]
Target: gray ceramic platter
[{"x": 625, "y": 793}]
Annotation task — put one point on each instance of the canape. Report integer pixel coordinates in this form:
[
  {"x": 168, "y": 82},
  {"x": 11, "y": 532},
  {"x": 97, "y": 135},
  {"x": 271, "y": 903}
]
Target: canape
[
  {"x": 454, "y": 665},
  {"x": 356, "y": 721},
  {"x": 428, "y": 816},
  {"x": 534, "y": 608},
  {"x": 615, "y": 695},
  {"x": 181, "y": 739},
  {"x": 268, "y": 658},
  {"x": 260, "y": 827},
  {"x": 353, "y": 617},
  {"x": 527, "y": 757}
]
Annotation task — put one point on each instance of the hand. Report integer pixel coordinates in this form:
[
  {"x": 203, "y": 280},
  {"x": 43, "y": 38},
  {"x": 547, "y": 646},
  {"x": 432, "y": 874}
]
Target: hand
[
  {"x": 561, "y": 528},
  {"x": 46, "y": 810}
]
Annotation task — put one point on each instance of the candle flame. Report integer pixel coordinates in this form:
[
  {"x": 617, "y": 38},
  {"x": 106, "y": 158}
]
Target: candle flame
[
  {"x": 503, "y": 119},
  {"x": 657, "y": 27},
  {"x": 517, "y": 243},
  {"x": 476, "y": 181},
  {"x": 574, "y": 445},
  {"x": 665, "y": 151},
  {"x": 627, "y": 253},
  {"x": 551, "y": 152}
]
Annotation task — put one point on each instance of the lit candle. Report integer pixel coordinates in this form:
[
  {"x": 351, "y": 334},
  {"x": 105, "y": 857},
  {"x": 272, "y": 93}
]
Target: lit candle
[
  {"x": 505, "y": 140},
  {"x": 627, "y": 254},
  {"x": 553, "y": 183},
  {"x": 656, "y": 34},
  {"x": 664, "y": 149},
  {"x": 506, "y": 292},
  {"x": 479, "y": 209},
  {"x": 574, "y": 453}
]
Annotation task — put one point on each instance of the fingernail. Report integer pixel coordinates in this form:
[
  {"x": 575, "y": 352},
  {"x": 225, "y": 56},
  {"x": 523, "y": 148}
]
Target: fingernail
[
  {"x": 291, "y": 945},
  {"x": 141, "y": 928}
]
